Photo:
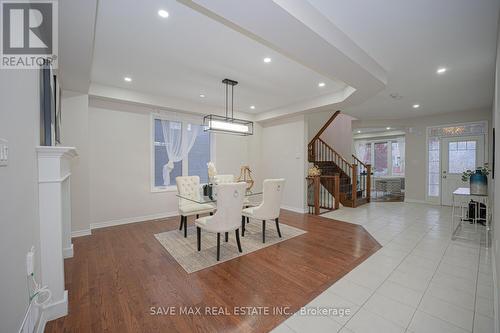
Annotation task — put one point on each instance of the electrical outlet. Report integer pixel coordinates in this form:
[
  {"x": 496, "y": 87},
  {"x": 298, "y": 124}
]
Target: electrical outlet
[
  {"x": 30, "y": 261},
  {"x": 4, "y": 152}
]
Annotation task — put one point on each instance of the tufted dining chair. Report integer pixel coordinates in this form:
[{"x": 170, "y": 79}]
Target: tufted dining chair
[
  {"x": 189, "y": 187},
  {"x": 227, "y": 218},
  {"x": 269, "y": 209},
  {"x": 223, "y": 179}
]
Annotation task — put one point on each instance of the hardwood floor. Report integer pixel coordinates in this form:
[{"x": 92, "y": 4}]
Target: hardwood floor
[{"x": 119, "y": 273}]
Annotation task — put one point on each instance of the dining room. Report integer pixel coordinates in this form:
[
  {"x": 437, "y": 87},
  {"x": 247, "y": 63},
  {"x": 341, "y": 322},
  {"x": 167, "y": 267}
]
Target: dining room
[{"x": 249, "y": 166}]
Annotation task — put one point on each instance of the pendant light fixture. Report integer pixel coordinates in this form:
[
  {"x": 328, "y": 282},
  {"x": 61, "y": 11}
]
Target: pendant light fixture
[{"x": 228, "y": 124}]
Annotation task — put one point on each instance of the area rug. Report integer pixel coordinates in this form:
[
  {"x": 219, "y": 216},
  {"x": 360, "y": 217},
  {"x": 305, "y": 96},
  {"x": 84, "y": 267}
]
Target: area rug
[{"x": 185, "y": 251}]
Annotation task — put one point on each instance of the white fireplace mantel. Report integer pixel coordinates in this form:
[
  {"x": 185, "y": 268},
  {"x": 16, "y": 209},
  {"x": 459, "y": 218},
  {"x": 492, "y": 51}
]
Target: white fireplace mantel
[{"x": 54, "y": 171}]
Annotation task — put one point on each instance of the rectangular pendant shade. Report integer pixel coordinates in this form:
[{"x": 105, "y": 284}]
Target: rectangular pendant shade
[{"x": 215, "y": 123}]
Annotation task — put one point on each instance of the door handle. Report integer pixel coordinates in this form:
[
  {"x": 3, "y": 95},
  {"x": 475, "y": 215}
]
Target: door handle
[{"x": 444, "y": 176}]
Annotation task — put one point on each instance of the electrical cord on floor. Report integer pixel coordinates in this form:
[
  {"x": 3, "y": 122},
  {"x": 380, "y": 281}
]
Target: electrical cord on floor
[{"x": 38, "y": 290}]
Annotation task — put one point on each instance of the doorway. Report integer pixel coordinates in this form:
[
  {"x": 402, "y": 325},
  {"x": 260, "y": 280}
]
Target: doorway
[{"x": 458, "y": 154}]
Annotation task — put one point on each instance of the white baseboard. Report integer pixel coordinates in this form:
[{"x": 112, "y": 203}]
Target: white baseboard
[
  {"x": 68, "y": 252},
  {"x": 408, "y": 200},
  {"x": 496, "y": 323},
  {"x": 52, "y": 311},
  {"x": 128, "y": 220},
  {"x": 80, "y": 233},
  {"x": 294, "y": 209}
]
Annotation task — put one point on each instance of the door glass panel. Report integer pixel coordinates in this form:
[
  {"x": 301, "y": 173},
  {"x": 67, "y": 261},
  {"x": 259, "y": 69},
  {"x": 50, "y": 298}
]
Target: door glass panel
[
  {"x": 366, "y": 156},
  {"x": 397, "y": 158},
  {"x": 380, "y": 152},
  {"x": 434, "y": 167},
  {"x": 461, "y": 156}
]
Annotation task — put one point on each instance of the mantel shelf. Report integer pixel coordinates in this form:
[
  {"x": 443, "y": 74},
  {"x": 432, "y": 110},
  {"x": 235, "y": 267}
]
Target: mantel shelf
[{"x": 56, "y": 151}]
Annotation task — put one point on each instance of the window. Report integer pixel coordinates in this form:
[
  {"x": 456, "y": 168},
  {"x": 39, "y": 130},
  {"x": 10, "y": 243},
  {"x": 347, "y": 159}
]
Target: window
[
  {"x": 366, "y": 153},
  {"x": 182, "y": 136},
  {"x": 160, "y": 154},
  {"x": 199, "y": 156},
  {"x": 397, "y": 158},
  {"x": 386, "y": 156},
  {"x": 461, "y": 156},
  {"x": 434, "y": 166},
  {"x": 380, "y": 158}
]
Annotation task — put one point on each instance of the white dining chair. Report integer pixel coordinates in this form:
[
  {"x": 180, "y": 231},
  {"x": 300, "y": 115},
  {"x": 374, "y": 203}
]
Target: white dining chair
[
  {"x": 269, "y": 209},
  {"x": 223, "y": 179},
  {"x": 189, "y": 187},
  {"x": 227, "y": 217}
]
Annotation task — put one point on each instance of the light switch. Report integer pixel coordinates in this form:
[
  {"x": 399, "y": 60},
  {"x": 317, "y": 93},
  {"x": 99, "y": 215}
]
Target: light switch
[{"x": 4, "y": 152}]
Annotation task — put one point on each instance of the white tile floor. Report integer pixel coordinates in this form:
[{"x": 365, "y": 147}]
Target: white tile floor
[{"x": 420, "y": 281}]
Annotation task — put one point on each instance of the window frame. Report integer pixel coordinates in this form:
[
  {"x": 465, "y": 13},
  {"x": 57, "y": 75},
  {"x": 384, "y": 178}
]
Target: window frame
[
  {"x": 184, "y": 119},
  {"x": 428, "y": 136},
  {"x": 388, "y": 141}
]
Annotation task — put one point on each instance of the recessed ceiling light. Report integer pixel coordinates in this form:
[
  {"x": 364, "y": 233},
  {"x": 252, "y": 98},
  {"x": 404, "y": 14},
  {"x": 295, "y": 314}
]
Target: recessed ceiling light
[
  {"x": 441, "y": 70},
  {"x": 416, "y": 106},
  {"x": 163, "y": 13},
  {"x": 127, "y": 79},
  {"x": 202, "y": 96},
  {"x": 321, "y": 84},
  {"x": 359, "y": 131},
  {"x": 252, "y": 107},
  {"x": 387, "y": 128},
  {"x": 267, "y": 60}
]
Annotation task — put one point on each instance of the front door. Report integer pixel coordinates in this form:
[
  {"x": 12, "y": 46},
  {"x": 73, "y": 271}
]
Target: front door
[{"x": 458, "y": 154}]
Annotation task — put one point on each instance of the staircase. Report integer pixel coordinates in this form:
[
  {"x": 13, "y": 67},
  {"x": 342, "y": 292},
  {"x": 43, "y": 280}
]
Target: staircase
[{"x": 354, "y": 177}]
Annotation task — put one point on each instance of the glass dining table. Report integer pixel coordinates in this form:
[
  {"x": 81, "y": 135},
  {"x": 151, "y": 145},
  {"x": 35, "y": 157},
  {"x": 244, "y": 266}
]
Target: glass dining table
[{"x": 252, "y": 197}]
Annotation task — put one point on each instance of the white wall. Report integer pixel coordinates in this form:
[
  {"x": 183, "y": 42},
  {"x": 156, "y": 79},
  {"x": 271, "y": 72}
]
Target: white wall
[
  {"x": 19, "y": 124},
  {"x": 415, "y": 143},
  {"x": 339, "y": 135},
  {"x": 111, "y": 178},
  {"x": 284, "y": 145},
  {"x": 496, "y": 187},
  {"x": 120, "y": 147},
  {"x": 75, "y": 133}
]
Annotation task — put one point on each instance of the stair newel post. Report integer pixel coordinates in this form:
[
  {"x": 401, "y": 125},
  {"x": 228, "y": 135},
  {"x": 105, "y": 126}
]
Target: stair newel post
[
  {"x": 317, "y": 185},
  {"x": 354, "y": 180},
  {"x": 336, "y": 191},
  {"x": 368, "y": 182}
]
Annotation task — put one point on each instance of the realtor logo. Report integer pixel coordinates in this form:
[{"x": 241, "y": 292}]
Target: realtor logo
[{"x": 29, "y": 33}]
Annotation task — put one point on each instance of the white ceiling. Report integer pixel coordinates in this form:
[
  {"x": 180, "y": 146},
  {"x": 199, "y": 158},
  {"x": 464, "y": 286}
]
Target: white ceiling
[
  {"x": 378, "y": 49},
  {"x": 411, "y": 39},
  {"x": 188, "y": 54}
]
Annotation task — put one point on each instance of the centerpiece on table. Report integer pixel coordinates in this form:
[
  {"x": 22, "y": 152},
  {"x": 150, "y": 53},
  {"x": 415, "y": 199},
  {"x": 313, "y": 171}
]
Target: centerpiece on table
[
  {"x": 478, "y": 180},
  {"x": 212, "y": 172}
]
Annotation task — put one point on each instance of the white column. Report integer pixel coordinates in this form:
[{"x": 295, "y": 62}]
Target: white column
[{"x": 55, "y": 223}]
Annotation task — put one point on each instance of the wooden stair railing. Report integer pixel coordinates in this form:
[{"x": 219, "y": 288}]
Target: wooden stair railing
[
  {"x": 311, "y": 146},
  {"x": 354, "y": 178},
  {"x": 365, "y": 176},
  {"x": 323, "y": 193}
]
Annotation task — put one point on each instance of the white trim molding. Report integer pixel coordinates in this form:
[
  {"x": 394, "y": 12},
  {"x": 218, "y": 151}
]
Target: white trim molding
[
  {"x": 68, "y": 252},
  {"x": 111, "y": 223},
  {"x": 81, "y": 233},
  {"x": 496, "y": 308},
  {"x": 408, "y": 200},
  {"x": 53, "y": 311},
  {"x": 294, "y": 209}
]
